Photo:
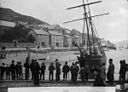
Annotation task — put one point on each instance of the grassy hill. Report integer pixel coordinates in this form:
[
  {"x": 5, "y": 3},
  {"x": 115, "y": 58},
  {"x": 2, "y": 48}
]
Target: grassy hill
[{"x": 10, "y": 15}]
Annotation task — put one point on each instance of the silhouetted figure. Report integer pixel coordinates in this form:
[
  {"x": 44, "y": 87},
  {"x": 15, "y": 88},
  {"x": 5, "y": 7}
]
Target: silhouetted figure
[
  {"x": 71, "y": 69},
  {"x": 65, "y": 70},
  {"x": 20, "y": 73},
  {"x": 17, "y": 70},
  {"x": 2, "y": 70},
  {"x": 86, "y": 68},
  {"x": 51, "y": 71},
  {"x": 74, "y": 72},
  {"x": 7, "y": 72},
  {"x": 27, "y": 66},
  {"x": 31, "y": 68},
  {"x": 122, "y": 71},
  {"x": 110, "y": 73},
  {"x": 82, "y": 73},
  {"x": 58, "y": 70},
  {"x": 103, "y": 71},
  {"x": 43, "y": 68},
  {"x": 98, "y": 80},
  {"x": 36, "y": 71},
  {"x": 12, "y": 69}
]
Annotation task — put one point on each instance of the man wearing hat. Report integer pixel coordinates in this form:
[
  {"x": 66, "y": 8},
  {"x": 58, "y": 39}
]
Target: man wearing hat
[
  {"x": 98, "y": 80},
  {"x": 36, "y": 70},
  {"x": 110, "y": 73}
]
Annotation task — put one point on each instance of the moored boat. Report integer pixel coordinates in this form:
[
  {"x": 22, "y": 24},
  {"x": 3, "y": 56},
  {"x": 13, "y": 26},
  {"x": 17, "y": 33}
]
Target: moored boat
[{"x": 91, "y": 53}]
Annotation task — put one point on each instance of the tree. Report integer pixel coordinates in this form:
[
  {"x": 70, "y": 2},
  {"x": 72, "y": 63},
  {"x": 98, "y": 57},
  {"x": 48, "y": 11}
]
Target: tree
[{"x": 30, "y": 38}]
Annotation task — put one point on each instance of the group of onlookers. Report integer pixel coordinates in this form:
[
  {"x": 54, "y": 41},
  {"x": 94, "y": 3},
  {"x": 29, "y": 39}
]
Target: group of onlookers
[{"x": 37, "y": 71}]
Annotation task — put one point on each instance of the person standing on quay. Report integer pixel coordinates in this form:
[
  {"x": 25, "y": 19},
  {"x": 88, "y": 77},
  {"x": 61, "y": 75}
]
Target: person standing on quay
[
  {"x": 31, "y": 68},
  {"x": 74, "y": 72},
  {"x": 82, "y": 74},
  {"x": 86, "y": 72},
  {"x": 103, "y": 71},
  {"x": 43, "y": 68},
  {"x": 122, "y": 71},
  {"x": 2, "y": 70},
  {"x": 98, "y": 80},
  {"x": 51, "y": 71},
  {"x": 65, "y": 70},
  {"x": 36, "y": 71},
  {"x": 20, "y": 71},
  {"x": 7, "y": 72},
  {"x": 12, "y": 69},
  {"x": 17, "y": 70},
  {"x": 76, "y": 69},
  {"x": 27, "y": 66},
  {"x": 110, "y": 73},
  {"x": 58, "y": 70}
]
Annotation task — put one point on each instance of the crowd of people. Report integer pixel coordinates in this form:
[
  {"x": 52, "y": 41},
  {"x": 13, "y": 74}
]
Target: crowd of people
[{"x": 38, "y": 72}]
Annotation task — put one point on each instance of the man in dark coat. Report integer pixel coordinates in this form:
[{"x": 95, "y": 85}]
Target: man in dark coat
[
  {"x": 12, "y": 69},
  {"x": 7, "y": 72},
  {"x": 65, "y": 70},
  {"x": 74, "y": 72},
  {"x": 31, "y": 68},
  {"x": 82, "y": 74},
  {"x": 58, "y": 70},
  {"x": 98, "y": 80},
  {"x": 16, "y": 70},
  {"x": 27, "y": 66},
  {"x": 51, "y": 71},
  {"x": 43, "y": 68},
  {"x": 122, "y": 71},
  {"x": 20, "y": 73},
  {"x": 36, "y": 72},
  {"x": 71, "y": 69},
  {"x": 2, "y": 70},
  {"x": 110, "y": 73}
]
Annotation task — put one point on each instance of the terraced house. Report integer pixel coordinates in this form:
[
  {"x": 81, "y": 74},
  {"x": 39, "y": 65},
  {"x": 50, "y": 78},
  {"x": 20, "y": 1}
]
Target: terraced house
[
  {"x": 67, "y": 41},
  {"x": 56, "y": 35},
  {"x": 41, "y": 36}
]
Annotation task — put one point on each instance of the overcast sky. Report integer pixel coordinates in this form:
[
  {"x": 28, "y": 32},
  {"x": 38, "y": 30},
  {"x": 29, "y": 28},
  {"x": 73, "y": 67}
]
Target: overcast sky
[{"x": 113, "y": 27}]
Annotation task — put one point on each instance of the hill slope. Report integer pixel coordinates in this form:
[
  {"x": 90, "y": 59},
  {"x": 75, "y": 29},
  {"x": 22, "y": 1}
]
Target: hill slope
[{"x": 10, "y": 15}]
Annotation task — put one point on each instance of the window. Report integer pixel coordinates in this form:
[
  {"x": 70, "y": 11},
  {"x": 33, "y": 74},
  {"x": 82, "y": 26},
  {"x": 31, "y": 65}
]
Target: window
[
  {"x": 57, "y": 44},
  {"x": 43, "y": 44}
]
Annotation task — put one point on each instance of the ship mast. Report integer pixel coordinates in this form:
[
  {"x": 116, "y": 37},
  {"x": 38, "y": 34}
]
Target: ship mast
[{"x": 87, "y": 21}]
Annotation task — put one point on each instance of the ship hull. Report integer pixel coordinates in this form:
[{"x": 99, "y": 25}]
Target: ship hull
[{"x": 93, "y": 62}]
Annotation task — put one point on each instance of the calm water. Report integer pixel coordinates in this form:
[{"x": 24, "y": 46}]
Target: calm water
[
  {"x": 117, "y": 55},
  {"x": 69, "y": 56}
]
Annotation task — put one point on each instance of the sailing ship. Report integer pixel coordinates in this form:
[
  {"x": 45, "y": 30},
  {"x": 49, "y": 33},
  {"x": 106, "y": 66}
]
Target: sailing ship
[{"x": 91, "y": 52}]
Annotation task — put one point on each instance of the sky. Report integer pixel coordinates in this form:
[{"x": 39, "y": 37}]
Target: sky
[{"x": 112, "y": 27}]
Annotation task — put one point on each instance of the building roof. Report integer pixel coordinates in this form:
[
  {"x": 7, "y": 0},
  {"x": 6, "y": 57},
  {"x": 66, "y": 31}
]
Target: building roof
[
  {"x": 40, "y": 32},
  {"x": 55, "y": 33},
  {"x": 52, "y": 27},
  {"x": 77, "y": 36},
  {"x": 67, "y": 36},
  {"x": 7, "y": 23}
]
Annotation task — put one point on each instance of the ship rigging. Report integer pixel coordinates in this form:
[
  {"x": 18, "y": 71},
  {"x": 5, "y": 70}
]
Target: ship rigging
[{"x": 91, "y": 52}]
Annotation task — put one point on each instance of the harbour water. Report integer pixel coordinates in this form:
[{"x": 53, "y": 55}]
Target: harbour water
[{"x": 69, "y": 56}]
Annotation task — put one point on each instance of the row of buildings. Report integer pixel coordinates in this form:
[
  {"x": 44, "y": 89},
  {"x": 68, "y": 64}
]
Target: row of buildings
[
  {"x": 47, "y": 35},
  {"x": 51, "y": 35},
  {"x": 55, "y": 36}
]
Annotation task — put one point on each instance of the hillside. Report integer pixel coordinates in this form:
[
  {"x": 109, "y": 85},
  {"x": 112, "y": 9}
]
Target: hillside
[{"x": 10, "y": 15}]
